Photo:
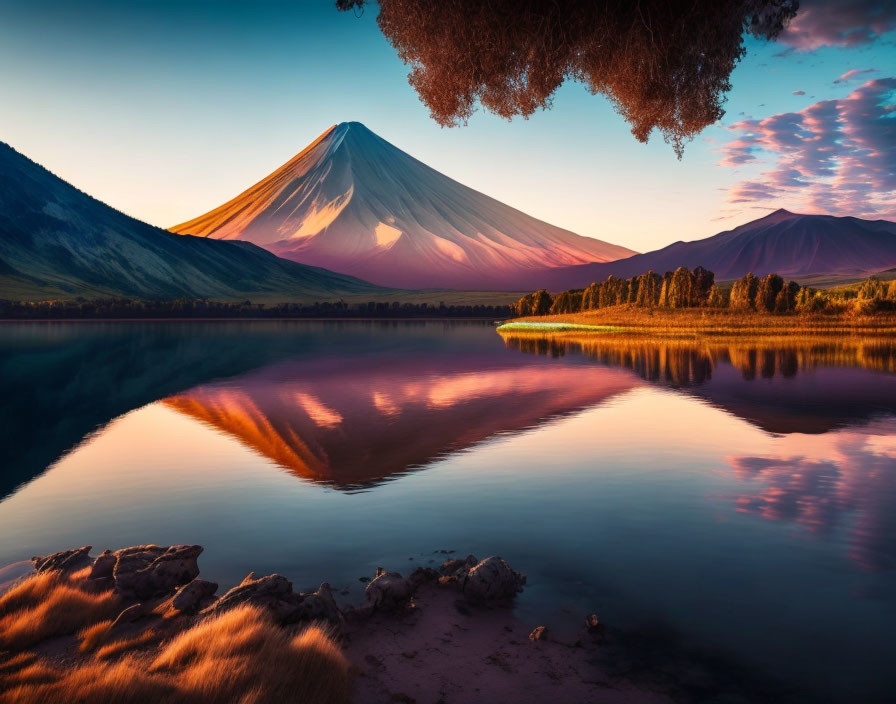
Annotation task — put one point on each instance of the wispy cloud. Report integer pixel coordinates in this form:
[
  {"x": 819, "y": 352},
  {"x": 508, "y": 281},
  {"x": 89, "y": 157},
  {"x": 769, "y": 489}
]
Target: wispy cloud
[
  {"x": 834, "y": 156},
  {"x": 799, "y": 92},
  {"x": 850, "y": 75},
  {"x": 838, "y": 23}
]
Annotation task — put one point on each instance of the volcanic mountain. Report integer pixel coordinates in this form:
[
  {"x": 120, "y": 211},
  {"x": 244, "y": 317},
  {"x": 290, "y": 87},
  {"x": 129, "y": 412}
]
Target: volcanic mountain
[
  {"x": 352, "y": 202},
  {"x": 56, "y": 241},
  {"x": 788, "y": 243}
]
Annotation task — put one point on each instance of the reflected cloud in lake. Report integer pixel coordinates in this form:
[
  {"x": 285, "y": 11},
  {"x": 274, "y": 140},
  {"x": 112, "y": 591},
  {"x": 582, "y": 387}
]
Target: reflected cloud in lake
[{"x": 844, "y": 481}]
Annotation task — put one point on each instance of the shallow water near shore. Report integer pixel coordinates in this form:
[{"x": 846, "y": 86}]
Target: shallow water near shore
[{"x": 733, "y": 502}]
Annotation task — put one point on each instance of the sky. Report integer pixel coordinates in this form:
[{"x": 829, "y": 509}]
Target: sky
[{"x": 167, "y": 109}]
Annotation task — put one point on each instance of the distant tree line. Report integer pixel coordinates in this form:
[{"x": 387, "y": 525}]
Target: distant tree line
[
  {"x": 198, "y": 308},
  {"x": 684, "y": 288}
]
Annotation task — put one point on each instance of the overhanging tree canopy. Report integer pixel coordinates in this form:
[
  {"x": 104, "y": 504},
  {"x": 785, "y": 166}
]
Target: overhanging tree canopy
[{"x": 664, "y": 64}]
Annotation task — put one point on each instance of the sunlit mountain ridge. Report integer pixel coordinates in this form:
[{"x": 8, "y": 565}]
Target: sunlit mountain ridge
[{"x": 352, "y": 202}]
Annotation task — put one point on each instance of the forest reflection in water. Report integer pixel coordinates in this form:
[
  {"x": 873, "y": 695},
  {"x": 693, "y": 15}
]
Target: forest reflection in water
[{"x": 685, "y": 362}]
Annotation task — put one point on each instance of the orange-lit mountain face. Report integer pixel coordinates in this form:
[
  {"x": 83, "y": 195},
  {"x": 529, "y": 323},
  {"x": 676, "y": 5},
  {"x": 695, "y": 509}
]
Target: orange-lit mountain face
[
  {"x": 354, "y": 203},
  {"x": 360, "y": 427}
]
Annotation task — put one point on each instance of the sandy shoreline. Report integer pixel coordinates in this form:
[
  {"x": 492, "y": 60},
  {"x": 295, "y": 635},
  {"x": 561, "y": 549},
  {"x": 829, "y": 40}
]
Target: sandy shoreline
[
  {"x": 446, "y": 635},
  {"x": 434, "y": 636},
  {"x": 443, "y": 649}
]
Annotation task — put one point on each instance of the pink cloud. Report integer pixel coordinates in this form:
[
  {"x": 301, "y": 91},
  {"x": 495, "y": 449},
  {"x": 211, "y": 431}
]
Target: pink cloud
[
  {"x": 847, "y": 488},
  {"x": 838, "y": 23},
  {"x": 849, "y": 75},
  {"x": 834, "y": 156},
  {"x": 799, "y": 92}
]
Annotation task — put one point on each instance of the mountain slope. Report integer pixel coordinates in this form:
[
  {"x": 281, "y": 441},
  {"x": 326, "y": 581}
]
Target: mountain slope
[
  {"x": 787, "y": 243},
  {"x": 354, "y": 203},
  {"x": 57, "y": 241}
]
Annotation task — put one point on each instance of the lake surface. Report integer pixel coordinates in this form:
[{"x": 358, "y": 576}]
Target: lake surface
[{"x": 733, "y": 505}]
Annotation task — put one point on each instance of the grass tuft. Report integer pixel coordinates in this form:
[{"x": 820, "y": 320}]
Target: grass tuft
[
  {"x": 125, "y": 645},
  {"x": 48, "y": 605},
  {"x": 94, "y": 636},
  {"x": 240, "y": 656}
]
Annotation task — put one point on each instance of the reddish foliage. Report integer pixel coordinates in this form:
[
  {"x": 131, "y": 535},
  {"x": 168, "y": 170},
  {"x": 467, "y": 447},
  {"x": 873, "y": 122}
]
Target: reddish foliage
[{"x": 664, "y": 64}]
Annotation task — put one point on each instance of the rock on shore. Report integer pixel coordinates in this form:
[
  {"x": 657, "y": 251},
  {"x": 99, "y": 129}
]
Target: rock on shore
[
  {"x": 150, "y": 573},
  {"x": 445, "y": 634}
]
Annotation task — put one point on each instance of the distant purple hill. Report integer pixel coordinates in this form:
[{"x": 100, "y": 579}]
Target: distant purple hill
[{"x": 790, "y": 244}]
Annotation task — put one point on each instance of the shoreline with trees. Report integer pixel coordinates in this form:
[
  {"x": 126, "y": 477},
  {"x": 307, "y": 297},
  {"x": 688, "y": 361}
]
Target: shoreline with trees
[{"x": 684, "y": 301}]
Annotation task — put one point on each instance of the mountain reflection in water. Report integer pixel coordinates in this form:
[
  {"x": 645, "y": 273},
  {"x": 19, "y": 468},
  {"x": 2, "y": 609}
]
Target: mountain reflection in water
[{"x": 355, "y": 425}]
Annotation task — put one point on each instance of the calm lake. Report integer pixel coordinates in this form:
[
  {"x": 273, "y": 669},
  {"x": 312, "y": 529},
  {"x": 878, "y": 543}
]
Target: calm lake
[{"x": 733, "y": 506}]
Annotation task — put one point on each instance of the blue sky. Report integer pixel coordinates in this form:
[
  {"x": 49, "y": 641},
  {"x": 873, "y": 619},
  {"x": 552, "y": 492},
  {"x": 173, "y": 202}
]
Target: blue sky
[{"x": 167, "y": 109}]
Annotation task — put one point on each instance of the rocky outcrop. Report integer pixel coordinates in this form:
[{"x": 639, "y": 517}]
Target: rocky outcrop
[
  {"x": 388, "y": 590},
  {"x": 138, "y": 573},
  {"x": 192, "y": 597},
  {"x": 492, "y": 580},
  {"x": 486, "y": 581},
  {"x": 147, "y": 575},
  {"x": 272, "y": 593},
  {"x": 65, "y": 561},
  {"x": 103, "y": 566},
  {"x": 147, "y": 571},
  {"x": 457, "y": 568},
  {"x": 421, "y": 576},
  {"x": 320, "y": 606}
]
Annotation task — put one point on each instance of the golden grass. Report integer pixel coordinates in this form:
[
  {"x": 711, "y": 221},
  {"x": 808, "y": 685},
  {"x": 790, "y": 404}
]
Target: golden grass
[
  {"x": 93, "y": 636},
  {"x": 242, "y": 651},
  {"x": 81, "y": 575},
  {"x": 36, "y": 674},
  {"x": 48, "y": 605},
  {"x": 240, "y": 656},
  {"x": 699, "y": 322},
  {"x": 28, "y": 592},
  {"x": 97, "y": 683},
  {"x": 119, "y": 647},
  {"x": 16, "y": 662}
]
